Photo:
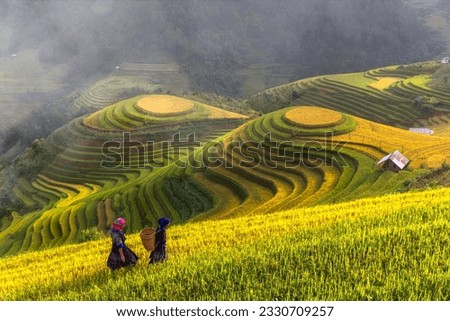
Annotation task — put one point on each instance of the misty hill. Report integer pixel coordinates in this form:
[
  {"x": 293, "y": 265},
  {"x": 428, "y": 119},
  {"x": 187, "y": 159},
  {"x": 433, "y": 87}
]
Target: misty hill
[
  {"x": 214, "y": 41},
  {"x": 52, "y": 52},
  {"x": 436, "y": 15}
]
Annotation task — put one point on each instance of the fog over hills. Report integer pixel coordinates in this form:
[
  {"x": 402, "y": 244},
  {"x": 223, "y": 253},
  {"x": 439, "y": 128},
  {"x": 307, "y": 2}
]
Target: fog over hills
[
  {"x": 208, "y": 37},
  {"x": 51, "y": 48}
]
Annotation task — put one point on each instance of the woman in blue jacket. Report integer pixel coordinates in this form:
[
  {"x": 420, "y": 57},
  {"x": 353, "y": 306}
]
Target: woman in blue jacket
[{"x": 159, "y": 253}]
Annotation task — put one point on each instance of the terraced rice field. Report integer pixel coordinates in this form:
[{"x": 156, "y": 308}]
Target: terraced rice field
[
  {"x": 292, "y": 158},
  {"x": 156, "y": 155},
  {"x": 313, "y": 117},
  {"x": 157, "y": 113},
  {"x": 384, "y": 82},
  {"x": 165, "y": 105},
  {"x": 76, "y": 189},
  {"x": 110, "y": 90},
  {"x": 167, "y": 76},
  {"x": 302, "y": 165},
  {"x": 129, "y": 78},
  {"x": 385, "y": 248},
  {"x": 355, "y": 94}
]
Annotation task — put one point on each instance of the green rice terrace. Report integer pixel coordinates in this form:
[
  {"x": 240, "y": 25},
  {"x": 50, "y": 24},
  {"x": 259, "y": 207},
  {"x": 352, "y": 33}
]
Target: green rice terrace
[
  {"x": 129, "y": 78},
  {"x": 154, "y": 155},
  {"x": 400, "y": 96}
]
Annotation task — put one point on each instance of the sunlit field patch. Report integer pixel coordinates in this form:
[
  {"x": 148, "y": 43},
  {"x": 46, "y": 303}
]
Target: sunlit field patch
[
  {"x": 384, "y": 82},
  {"x": 313, "y": 116},
  {"x": 164, "y": 105},
  {"x": 429, "y": 150}
]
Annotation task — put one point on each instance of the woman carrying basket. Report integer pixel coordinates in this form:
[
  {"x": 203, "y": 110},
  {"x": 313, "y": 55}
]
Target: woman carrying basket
[
  {"x": 159, "y": 253},
  {"x": 120, "y": 255}
]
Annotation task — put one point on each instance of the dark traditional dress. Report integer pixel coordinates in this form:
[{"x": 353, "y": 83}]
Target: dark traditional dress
[
  {"x": 118, "y": 241},
  {"x": 159, "y": 253}
]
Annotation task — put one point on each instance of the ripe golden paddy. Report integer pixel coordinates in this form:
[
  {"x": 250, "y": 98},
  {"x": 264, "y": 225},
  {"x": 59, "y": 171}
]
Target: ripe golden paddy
[
  {"x": 384, "y": 82},
  {"x": 313, "y": 116},
  {"x": 429, "y": 150},
  {"x": 163, "y": 105},
  {"x": 386, "y": 248}
]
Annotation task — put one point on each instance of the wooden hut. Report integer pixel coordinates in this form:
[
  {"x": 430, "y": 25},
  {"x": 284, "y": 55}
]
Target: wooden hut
[{"x": 394, "y": 162}]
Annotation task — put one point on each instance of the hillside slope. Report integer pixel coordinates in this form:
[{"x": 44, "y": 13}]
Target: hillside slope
[
  {"x": 69, "y": 181},
  {"x": 156, "y": 155},
  {"x": 399, "y": 95},
  {"x": 303, "y": 155},
  {"x": 286, "y": 159}
]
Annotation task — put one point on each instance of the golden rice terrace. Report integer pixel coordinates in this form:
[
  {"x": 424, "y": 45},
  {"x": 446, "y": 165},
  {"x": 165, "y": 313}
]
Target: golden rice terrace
[{"x": 155, "y": 155}]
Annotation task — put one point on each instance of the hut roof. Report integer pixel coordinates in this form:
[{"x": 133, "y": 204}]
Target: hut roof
[
  {"x": 397, "y": 158},
  {"x": 422, "y": 130}
]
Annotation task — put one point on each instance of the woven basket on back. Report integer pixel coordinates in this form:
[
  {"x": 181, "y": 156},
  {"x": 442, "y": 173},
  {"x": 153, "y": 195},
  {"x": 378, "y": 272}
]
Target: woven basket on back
[{"x": 148, "y": 238}]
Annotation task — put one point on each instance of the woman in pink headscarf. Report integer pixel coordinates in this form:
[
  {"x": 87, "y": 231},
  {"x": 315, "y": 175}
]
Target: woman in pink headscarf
[{"x": 120, "y": 255}]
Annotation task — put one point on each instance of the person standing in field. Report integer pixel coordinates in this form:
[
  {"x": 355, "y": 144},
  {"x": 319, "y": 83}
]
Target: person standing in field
[
  {"x": 159, "y": 253},
  {"x": 120, "y": 255}
]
